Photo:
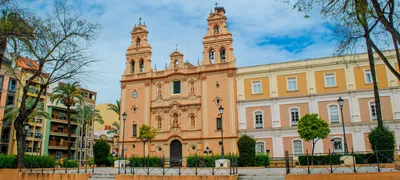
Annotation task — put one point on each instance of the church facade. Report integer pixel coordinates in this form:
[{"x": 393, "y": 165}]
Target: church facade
[{"x": 181, "y": 101}]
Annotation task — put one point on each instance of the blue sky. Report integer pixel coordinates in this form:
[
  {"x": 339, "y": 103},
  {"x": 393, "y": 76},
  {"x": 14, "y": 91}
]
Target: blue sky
[{"x": 264, "y": 31}]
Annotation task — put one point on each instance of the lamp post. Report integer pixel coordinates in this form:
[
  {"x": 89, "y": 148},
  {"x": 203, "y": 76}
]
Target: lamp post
[
  {"x": 340, "y": 102},
  {"x": 123, "y": 139},
  {"x": 25, "y": 132},
  {"x": 221, "y": 112},
  {"x": 207, "y": 151},
  {"x": 81, "y": 143}
]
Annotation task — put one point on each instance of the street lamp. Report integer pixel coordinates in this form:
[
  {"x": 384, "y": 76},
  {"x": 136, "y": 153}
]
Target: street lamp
[
  {"x": 221, "y": 112},
  {"x": 123, "y": 139},
  {"x": 25, "y": 132},
  {"x": 207, "y": 150},
  {"x": 340, "y": 102}
]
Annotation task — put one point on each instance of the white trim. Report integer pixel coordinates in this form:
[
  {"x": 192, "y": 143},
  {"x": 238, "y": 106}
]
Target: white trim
[
  {"x": 287, "y": 83},
  {"x": 290, "y": 114},
  {"x": 334, "y": 79},
  {"x": 302, "y": 146},
  {"x": 265, "y": 147},
  {"x": 329, "y": 112},
  {"x": 254, "y": 118},
  {"x": 252, "y": 86}
]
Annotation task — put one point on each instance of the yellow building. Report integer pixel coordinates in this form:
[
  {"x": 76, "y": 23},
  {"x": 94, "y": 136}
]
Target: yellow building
[
  {"x": 273, "y": 97},
  {"x": 100, "y": 130}
]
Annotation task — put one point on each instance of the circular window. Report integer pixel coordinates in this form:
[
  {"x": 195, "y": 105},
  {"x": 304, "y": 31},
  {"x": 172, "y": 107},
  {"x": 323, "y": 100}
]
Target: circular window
[
  {"x": 134, "y": 108},
  {"x": 133, "y": 146},
  {"x": 217, "y": 85},
  {"x": 218, "y": 100},
  {"x": 220, "y": 143},
  {"x": 193, "y": 147},
  {"x": 159, "y": 149}
]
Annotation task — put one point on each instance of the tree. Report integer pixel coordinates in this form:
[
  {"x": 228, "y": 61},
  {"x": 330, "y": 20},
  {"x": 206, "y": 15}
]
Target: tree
[
  {"x": 382, "y": 142},
  {"x": 114, "y": 129},
  {"x": 101, "y": 150},
  {"x": 60, "y": 49},
  {"x": 68, "y": 94},
  {"x": 312, "y": 128},
  {"x": 12, "y": 112},
  {"x": 115, "y": 108},
  {"x": 146, "y": 133},
  {"x": 247, "y": 150}
]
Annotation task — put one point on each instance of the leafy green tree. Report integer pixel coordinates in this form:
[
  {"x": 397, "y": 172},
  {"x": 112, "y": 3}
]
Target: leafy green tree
[
  {"x": 101, "y": 150},
  {"x": 115, "y": 108},
  {"x": 312, "y": 128},
  {"x": 68, "y": 94},
  {"x": 146, "y": 133},
  {"x": 12, "y": 112},
  {"x": 382, "y": 142},
  {"x": 247, "y": 150},
  {"x": 114, "y": 129}
]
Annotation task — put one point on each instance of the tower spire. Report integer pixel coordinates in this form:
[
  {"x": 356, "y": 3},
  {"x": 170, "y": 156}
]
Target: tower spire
[{"x": 140, "y": 20}]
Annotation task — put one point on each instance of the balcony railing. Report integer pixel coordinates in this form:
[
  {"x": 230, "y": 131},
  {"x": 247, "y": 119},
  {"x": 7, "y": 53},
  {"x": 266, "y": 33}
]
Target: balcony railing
[
  {"x": 5, "y": 139},
  {"x": 35, "y": 135}
]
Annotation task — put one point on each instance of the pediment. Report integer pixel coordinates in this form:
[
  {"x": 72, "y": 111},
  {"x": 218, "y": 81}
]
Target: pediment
[
  {"x": 138, "y": 29},
  {"x": 215, "y": 16},
  {"x": 176, "y": 53}
]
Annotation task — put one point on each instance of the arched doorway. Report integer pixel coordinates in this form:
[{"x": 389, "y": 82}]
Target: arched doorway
[{"x": 175, "y": 152}]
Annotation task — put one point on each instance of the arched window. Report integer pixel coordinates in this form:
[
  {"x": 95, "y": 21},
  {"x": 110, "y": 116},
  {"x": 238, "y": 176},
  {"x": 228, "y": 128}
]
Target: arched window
[
  {"x": 159, "y": 123},
  {"x": 176, "y": 64},
  {"x": 372, "y": 107},
  {"x": 132, "y": 66},
  {"x": 337, "y": 145},
  {"x": 216, "y": 30},
  {"x": 260, "y": 148},
  {"x": 297, "y": 147},
  {"x": 141, "y": 65},
  {"x": 192, "y": 92},
  {"x": 222, "y": 54},
  {"x": 175, "y": 120},
  {"x": 138, "y": 43},
  {"x": 259, "y": 119},
  {"x": 294, "y": 116},
  {"x": 212, "y": 56},
  {"x": 192, "y": 121},
  {"x": 333, "y": 114}
]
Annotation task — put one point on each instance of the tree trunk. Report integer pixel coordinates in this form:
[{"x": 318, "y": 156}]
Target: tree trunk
[
  {"x": 312, "y": 151},
  {"x": 19, "y": 127},
  {"x": 69, "y": 130},
  {"x": 3, "y": 47},
  {"x": 395, "y": 44},
  {"x": 144, "y": 149},
  {"x": 384, "y": 21},
  {"x": 361, "y": 7}
]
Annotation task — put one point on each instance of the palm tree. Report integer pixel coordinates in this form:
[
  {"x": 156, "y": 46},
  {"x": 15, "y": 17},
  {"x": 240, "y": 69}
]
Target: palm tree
[
  {"x": 116, "y": 108},
  {"x": 68, "y": 94},
  {"x": 12, "y": 25},
  {"x": 12, "y": 112},
  {"x": 114, "y": 129}
]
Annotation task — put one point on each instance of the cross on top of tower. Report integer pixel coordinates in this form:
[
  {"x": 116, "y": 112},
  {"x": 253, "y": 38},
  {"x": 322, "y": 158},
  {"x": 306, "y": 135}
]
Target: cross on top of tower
[
  {"x": 216, "y": 4},
  {"x": 176, "y": 46},
  {"x": 140, "y": 20}
]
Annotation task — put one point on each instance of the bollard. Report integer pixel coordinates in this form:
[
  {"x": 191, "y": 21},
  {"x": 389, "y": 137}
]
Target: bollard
[
  {"x": 196, "y": 168},
  {"x": 93, "y": 169},
  {"x": 354, "y": 158},
  {"x": 308, "y": 164},
  {"x": 86, "y": 167},
  {"x": 179, "y": 167},
  {"x": 148, "y": 165},
  {"x": 163, "y": 165},
  {"x": 125, "y": 164},
  {"x": 330, "y": 160}
]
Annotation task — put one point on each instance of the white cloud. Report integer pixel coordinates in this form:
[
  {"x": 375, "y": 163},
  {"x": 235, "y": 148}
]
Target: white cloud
[{"x": 183, "y": 22}]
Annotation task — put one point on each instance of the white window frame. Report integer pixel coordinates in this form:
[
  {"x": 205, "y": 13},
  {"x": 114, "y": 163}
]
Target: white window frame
[
  {"x": 342, "y": 145},
  {"x": 264, "y": 150},
  {"x": 59, "y": 152},
  {"x": 254, "y": 118},
  {"x": 287, "y": 83},
  {"x": 290, "y": 115},
  {"x": 329, "y": 113},
  {"x": 259, "y": 82},
  {"x": 302, "y": 147},
  {"x": 365, "y": 76},
  {"x": 370, "y": 111},
  {"x": 334, "y": 79},
  {"x": 172, "y": 87}
]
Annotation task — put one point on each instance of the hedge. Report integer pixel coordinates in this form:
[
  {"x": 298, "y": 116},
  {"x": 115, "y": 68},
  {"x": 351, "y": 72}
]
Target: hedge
[
  {"x": 69, "y": 163},
  {"x": 209, "y": 161},
  {"x": 11, "y": 161},
  {"x": 368, "y": 158},
  {"x": 146, "y": 161}
]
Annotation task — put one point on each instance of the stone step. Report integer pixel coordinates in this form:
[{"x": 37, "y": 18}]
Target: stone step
[
  {"x": 262, "y": 176},
  {"x": 102, "y": 177}
]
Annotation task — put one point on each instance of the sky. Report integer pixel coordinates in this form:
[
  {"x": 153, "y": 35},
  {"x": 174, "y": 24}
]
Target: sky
[{"x": 264, "y": 31}]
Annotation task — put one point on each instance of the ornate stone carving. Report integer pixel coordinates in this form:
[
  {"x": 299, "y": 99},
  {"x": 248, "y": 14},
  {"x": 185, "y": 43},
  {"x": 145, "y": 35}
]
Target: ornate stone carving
[{"x": 147, "y": 83}]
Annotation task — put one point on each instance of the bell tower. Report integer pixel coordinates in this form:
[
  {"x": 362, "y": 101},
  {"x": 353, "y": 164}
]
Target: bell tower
[
  {"x": 138, "y": 55},
  {"x": 217, "y": 41}
]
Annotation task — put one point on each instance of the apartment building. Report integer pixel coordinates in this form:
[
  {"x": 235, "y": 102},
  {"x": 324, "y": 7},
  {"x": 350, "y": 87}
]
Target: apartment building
[{"x": 273, "y": 97}]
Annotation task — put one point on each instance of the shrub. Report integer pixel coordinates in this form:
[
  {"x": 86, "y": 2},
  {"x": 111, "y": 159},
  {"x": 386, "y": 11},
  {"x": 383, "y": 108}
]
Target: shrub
[
  {"x": 7, "y": 161},
  {"x": 247, "y": 150},
  {"x": 101, "y": 150},
  {"x": 90, "y": 161},
  {"x": 111, "y": 160},
  {"x": 38, "y": 161},
  {"x": 262, "y": 160},
  {"x": 146, "y": 161},
  {"x": 320, "y": 160},
  {"x": 69, "y": 163},
  {"x": 382, "y": 141}
]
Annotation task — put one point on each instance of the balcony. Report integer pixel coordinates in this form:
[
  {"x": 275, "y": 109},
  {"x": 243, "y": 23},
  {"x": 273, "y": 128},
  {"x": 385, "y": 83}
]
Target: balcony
[
  {"x": 63, "y": 133},
  {"x": 34, "y": 136},
  {"x": 62, "y": 146},
  {"x": 64, "y": 121},
  {"x": 4, "y": 140}
]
